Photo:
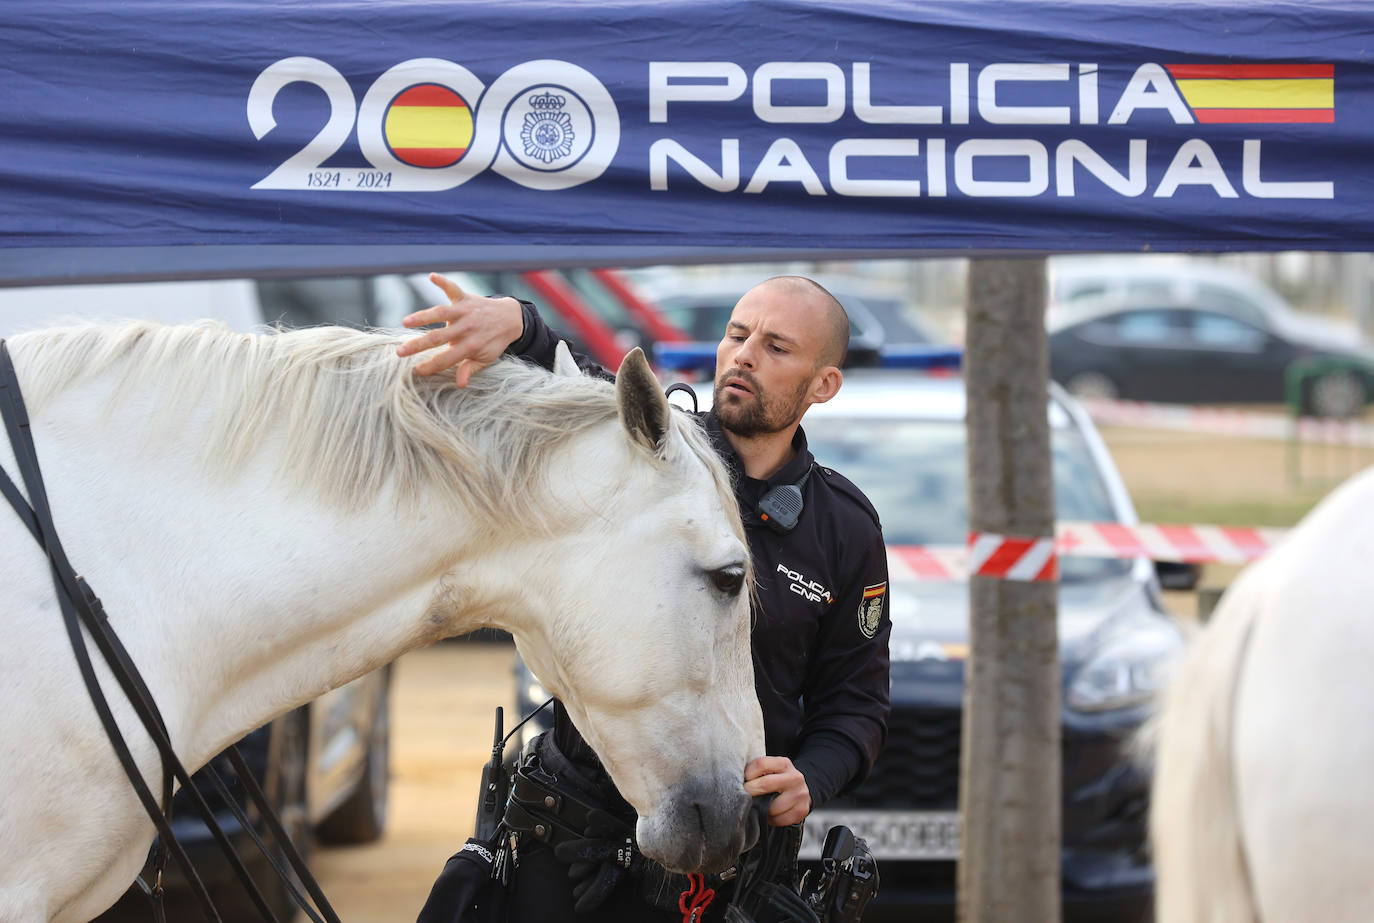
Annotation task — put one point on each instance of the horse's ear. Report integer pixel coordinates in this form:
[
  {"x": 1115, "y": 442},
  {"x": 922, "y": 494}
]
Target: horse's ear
[
  {"x": 643, "y": 407},
  {"x": 564, "y": 365}
]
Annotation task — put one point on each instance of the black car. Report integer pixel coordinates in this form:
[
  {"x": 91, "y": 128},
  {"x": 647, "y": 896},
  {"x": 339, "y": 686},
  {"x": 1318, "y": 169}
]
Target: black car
[
  {"x": 900, "y": 437},
  {"x": 1184, "y": 354},
  {"x": 324, "y": 768}
]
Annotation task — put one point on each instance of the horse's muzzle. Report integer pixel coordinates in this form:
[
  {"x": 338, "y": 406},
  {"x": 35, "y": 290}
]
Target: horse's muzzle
[{"x": 702, "y": 828}]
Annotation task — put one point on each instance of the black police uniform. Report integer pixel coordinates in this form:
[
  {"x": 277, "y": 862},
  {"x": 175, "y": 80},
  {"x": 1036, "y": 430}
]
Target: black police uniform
[{"x": 819, "y": 644}]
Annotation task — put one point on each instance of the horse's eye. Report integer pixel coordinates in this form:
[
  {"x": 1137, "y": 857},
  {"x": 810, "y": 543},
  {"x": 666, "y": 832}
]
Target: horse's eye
[{"x": 729, "y": 579}]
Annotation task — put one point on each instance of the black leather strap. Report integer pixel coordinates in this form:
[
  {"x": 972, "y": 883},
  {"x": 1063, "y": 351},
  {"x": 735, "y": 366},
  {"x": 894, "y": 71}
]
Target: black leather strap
[
  {"x": 766, "y": 886},
  {"x": 82, "y": 608},
  {"x": 75, "y": 605}
]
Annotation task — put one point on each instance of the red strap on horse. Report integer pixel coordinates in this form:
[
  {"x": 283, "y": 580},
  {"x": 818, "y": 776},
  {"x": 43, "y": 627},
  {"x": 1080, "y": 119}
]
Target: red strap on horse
[{"x": 694, "y": 901}]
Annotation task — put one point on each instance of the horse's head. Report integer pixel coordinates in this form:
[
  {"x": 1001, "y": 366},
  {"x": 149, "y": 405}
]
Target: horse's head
[{"x": 647, "y": 640}]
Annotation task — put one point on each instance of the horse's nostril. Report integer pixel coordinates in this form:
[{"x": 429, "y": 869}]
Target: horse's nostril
[{"x": 701, "y": 819}]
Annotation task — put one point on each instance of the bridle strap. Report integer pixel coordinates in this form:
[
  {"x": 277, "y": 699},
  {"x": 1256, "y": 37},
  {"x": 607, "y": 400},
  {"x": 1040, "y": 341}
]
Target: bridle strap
[
  {"x": 77, "y": 608},
  {"x": 80, "y": 606}
]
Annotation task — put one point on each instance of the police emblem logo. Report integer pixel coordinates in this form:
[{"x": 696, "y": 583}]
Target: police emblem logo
[
  {"x": 547, "y": 133},
  {"x": 871, "y": 609},
  {"x": 560, "y": 129}
]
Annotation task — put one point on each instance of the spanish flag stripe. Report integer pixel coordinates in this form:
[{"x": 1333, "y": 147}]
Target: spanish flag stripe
[
  {"x": 429, "y": 156},
  {"x": 429, "y": 127},
  {"x": 872, "y": 591},
  {"x": 1218, "y": 116},
  {"x": 429, "y": 94},
  {"x": 1247, "y": 71},
  {"x": 1261, "y": 93}
]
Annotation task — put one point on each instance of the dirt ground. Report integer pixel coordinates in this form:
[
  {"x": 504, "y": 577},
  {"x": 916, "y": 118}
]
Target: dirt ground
[{"x": 441, "y": 726}]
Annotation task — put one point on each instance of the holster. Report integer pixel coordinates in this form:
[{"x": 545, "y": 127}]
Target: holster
[{"x": 847, "y": 879}]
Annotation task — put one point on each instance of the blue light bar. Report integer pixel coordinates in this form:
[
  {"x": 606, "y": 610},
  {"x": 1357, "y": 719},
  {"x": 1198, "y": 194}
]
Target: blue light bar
[
  {"x": 701, "y": 357},
  {"x": 920, "y": 356},
  {"x": 685, "y": 357}
]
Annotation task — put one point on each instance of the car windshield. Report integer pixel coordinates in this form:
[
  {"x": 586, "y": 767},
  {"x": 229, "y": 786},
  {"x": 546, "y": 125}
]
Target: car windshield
[{"x": 915, "y": 473}]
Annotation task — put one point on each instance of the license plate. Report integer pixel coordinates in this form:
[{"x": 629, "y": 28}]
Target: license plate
[{"x": 927, "y": 835}]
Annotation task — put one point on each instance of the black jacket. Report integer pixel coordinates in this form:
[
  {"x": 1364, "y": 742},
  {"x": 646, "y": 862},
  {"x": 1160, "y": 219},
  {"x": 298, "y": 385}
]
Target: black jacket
[{"x": 821, "y": 623}]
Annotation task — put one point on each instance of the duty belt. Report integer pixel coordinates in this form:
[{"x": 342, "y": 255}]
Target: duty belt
[{"x": 542, "y": 807}]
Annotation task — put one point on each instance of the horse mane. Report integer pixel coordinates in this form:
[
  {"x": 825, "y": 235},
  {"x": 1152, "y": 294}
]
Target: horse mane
[{"x": 357, "y": 421}]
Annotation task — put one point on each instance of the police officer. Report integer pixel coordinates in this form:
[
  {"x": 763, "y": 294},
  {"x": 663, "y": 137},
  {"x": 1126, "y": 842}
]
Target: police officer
[{"x": 821, "y": 626}]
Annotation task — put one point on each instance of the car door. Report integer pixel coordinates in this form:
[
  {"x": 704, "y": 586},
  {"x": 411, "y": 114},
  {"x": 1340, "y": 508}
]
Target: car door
[
  {"x": 1142, "y": 347},
  {"x": 1242, "y": 362}
]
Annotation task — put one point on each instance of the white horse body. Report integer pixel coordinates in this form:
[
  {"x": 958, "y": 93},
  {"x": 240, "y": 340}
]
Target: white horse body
[
  {"x": 1262, "y": 808},
  {"x": 240, "y": 595}
]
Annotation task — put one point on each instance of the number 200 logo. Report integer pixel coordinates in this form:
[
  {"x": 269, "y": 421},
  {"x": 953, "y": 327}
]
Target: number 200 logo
[{"x": 432, "y": 125}]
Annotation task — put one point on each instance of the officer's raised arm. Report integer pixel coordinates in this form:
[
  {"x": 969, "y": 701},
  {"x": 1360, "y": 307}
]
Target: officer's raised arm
[{"x": 477, "y": 330}]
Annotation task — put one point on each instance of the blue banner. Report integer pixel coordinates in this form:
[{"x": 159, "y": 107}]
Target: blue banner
[{"x": 221, "y": 136}]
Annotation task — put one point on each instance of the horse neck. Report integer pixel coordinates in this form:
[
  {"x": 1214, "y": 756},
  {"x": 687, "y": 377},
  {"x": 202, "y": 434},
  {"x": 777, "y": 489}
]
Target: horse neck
[
  {"x": 238, "y": 597},
  {"x": 328, "y": 598}
]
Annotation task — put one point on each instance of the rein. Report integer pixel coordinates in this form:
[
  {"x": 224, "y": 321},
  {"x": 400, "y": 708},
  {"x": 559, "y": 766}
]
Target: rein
[{"x": 82, "y": 608}]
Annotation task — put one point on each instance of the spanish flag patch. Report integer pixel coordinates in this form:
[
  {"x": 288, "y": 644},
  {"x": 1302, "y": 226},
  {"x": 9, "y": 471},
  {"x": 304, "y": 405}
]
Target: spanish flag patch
[{"x": 871, "y": 609}]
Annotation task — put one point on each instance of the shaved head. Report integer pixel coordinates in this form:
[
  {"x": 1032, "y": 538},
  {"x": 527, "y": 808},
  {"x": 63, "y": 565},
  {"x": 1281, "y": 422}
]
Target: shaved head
[
  {"x": 781, "y": 353},
  {"x": 835, "y": 333}
]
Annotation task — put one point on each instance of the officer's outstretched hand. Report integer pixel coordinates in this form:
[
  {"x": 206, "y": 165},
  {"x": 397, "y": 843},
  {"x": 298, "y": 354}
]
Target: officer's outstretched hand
[
  {"x": 777, "y": 774},
  {"x": 599, "y": 860},
  {"x": 476, "y": 331}
]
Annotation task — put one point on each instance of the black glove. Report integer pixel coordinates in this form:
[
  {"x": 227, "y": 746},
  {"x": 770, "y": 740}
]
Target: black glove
[{"x": 598, "y": 860}]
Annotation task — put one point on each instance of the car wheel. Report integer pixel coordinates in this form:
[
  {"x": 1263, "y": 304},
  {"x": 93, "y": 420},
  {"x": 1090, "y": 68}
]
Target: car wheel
[
  {"x": 1092, "y": 386},
  {"x": 361, "y": 817},
  {"x": 1336, "y": 394}
]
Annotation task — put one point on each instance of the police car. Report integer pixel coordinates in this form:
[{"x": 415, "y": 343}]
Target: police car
[{"x": 900, "y": 437}]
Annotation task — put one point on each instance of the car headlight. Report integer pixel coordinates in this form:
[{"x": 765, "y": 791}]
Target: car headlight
[{"x": 1128, "y": 671}]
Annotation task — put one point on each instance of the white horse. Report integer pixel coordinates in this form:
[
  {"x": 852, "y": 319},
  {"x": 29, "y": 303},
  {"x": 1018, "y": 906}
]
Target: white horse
[
  {"x": 267, "y": 517},
  {"x": 1262, "y": 803}
]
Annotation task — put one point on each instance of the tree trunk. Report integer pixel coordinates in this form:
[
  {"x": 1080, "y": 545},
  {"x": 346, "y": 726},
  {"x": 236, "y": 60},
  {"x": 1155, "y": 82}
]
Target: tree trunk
[{"x": 1010, "y": 763}]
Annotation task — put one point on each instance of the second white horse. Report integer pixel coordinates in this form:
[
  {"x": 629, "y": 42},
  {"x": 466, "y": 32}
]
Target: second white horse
[{"x": 1262, "y": 808}]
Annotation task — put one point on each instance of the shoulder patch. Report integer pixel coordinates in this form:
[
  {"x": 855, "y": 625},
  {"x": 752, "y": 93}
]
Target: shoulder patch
[{"x": 871, "y": 609}]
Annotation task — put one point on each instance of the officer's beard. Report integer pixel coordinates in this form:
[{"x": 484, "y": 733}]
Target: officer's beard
[{"x": 757, "y": 414}]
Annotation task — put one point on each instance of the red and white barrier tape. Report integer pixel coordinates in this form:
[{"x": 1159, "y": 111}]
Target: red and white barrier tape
[
  {"x": 1222, "y": 421},
  {"x": 1014, "y": 558},
  {"x": 1197, "y": 544}
]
